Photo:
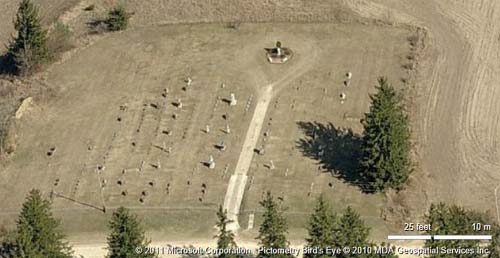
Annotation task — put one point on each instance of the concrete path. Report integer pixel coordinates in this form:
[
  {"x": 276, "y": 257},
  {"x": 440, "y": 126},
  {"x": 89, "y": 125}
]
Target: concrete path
[{"x": 237, "y": 182}]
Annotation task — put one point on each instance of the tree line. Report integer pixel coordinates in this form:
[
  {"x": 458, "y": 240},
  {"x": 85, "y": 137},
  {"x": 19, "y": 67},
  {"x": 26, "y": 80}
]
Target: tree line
[
  {"x": 38, "y": 234},
  {"x": 329, "y": 231}
]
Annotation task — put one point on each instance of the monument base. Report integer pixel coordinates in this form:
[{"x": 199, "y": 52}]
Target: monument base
[{"x": 278, "y": 57}]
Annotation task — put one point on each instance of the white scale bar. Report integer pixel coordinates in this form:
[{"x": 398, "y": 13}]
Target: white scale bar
[
  {"x": 462, "y": 237},
  {"x": 409, "y": 237},
  {"x": 439, "y": 237}
]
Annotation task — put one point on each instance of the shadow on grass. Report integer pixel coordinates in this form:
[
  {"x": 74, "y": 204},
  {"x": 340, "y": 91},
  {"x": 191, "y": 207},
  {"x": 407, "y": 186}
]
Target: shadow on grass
[
  {"x": 97, "y": 26},
  {"x": 337, "y": 150},
  {"x": 6, "y": 65}
]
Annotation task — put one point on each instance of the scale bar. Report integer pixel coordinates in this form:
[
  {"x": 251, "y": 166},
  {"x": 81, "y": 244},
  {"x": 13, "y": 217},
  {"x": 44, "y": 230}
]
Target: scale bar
[
  {"x": 462, "y": 237},
  {"x": 409, "y": 237}
]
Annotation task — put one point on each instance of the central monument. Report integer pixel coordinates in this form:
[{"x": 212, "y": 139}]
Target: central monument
[{"x": 278, "y": 54}]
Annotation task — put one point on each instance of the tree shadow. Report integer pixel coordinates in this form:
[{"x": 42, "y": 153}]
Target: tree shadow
[
  {"x": 337, "y": 150},
  {"x": 97, "y": 26},
  {"x": 7, "y": 66},
  {"x": 7, "y": 244}
]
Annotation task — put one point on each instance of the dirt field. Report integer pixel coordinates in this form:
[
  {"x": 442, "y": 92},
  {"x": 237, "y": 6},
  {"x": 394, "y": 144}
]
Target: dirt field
[
  {"x": 110, "y": 125},
  {"x": 455, "y": 113}
]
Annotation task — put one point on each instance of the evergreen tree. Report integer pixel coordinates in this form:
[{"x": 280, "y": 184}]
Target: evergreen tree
[
  {"x": 37, "y": 234},
  {"x": 28, "y": 49},
  {"x": 350, "y": 231},
  {"x": 127, "y": 236},
  {"x": 385, "y": 162},
  {"x": 272, "y": 231},
  {"x": 225, "y": 238},
  {"x": 495, "y": 245},
  {"x": 117, "y": 19},
  {"x": 321, "y": 228},
  {"x": 452, "y": 220}
]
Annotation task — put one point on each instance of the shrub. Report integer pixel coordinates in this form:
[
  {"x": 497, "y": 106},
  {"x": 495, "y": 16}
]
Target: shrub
[
  {"x": 117, "y": 19},
  {"x": 59, "y": 39}
]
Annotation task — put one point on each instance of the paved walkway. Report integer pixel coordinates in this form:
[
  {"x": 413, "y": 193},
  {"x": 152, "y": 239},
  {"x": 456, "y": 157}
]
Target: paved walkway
[{"x": 238, "y": 180}]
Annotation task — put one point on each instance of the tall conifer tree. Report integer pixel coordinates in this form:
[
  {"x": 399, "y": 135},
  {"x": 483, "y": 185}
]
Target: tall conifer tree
[
  {"x": 385, "y": 161},
  {"x": 127, "y": 239},
  {"x": 321, "y": 228},
  {"x": 452, "y": 220},
  {"x": 273, "y": 230},
  {"x": 495, "y": 245},
  {"x": 28, "y": 48},
  {"x": 350, "y": 232},
  {"x": 37, "y": 234},
  {"x": 225, "y": 238}
]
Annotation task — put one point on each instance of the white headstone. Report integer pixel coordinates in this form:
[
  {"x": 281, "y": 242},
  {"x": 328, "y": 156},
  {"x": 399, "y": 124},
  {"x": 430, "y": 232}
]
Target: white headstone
[
  {"x": 142, "y": 166},
  {"x": 222, "y": 146},
  {"x": 211, "y": 162},
  {"x": 232, "y": 100}
]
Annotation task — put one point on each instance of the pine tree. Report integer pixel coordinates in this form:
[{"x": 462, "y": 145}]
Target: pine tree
[
  {"x": 37, "y": 234},
  {"x": 225, "y": 238},
  {"x": 453, "y": 220},
  {"x": 127, "y": 236},
  {"x": 386, "y": 141},
  {"x": 350, "y": 231},
  {"x": 273, "y": 230},
  {"x": 321, "y": 227},
  {"x": 28, "y": 49},
  {"x": 495, "y": 245}
]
